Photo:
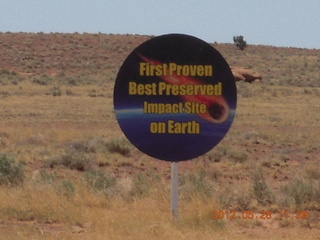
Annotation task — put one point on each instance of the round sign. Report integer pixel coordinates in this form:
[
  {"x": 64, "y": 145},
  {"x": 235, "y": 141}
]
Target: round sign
[{"x": 175, "y": 97}]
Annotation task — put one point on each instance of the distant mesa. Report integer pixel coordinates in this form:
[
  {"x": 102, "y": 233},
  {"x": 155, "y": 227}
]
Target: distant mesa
[{"x": 245, "y": 74}]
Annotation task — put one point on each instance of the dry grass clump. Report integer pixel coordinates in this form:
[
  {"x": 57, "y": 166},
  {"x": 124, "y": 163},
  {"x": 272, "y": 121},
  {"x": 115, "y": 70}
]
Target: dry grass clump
[
  {"x": 99, "y": 181},
  {"x": 261, "y": 189},
  {"x": 195, "y": 184},
  {"x": 71, "y": 159},
  {"x": 236, "y": 198},
  {"x": 312, "y": 171},
  {"x": 119, "y": 145},
  {"x": 82, "y": 154},
  {"x": 302, "y": 194}
]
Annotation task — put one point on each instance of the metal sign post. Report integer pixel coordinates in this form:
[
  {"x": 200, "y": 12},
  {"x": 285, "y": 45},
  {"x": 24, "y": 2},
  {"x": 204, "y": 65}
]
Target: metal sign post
[{"x": 174, "y": 189}]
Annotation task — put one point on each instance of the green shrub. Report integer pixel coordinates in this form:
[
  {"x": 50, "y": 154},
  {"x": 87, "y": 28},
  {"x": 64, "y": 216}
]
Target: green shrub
[
  {"x": 77, "y": 161},
  {"x": 238, "y": 156},
  {"x": 66, "y": 188},
  {"x": 56, "y": 91},
  {"x": 119, "y": 145},
  {"x": 300, "y": 191},
  {"x": 313, "y": 172},
  {"x": 217, "y": 154},
  {"x": 238, "y": 198},
  {"x": 99, "y": 180},
  {"x": 42, "y": 176},
  {"x": 239, "y": 42},
  {"x": 92, "y": 145},
  {"x": 261, "y": 190},
  {"x": 11, "y": 173},
  {"x": 78, "y": 154},
  {"x": 141, "y": 185},
  {"x": 47, "y": 177},
  {"x": 71, "y": 159},
  {"x": 316, "y": 192},
  {"x": 70, "y": 92},
  {"x": 80, "y": 146},
  {"x": 195, "y": 184}
]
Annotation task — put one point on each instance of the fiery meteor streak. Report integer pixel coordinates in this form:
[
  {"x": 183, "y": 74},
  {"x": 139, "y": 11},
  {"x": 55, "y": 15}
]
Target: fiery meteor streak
[{"x": 217, "y": 107}]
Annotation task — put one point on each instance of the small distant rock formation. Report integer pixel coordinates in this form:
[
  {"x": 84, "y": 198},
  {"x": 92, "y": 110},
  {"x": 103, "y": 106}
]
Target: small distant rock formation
[{"x": 245, "y": 74}]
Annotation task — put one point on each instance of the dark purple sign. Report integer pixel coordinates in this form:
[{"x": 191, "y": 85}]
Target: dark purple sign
[{"x": 175, "y": 97}]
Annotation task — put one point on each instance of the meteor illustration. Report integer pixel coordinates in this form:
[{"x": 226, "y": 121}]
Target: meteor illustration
[{"x": 217, "y": 109}]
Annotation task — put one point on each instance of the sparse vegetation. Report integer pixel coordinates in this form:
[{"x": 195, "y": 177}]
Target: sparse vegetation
[
  {"x": 141, "y": 185},
  {"x": 299, "y": 192},
  {"x": 66, "y": 188},
  {"x": 238, "y": 198},
  {"x": 68, "y": 164},
  {"x": 99, "y": 180},
  {"x": 237, "y": 156},
  {"x": 71, "y": 159},
  {"x": 195, "y": 184}
]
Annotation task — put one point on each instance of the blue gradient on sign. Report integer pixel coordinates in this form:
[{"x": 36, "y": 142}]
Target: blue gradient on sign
[{"x": 170, "y": 147}]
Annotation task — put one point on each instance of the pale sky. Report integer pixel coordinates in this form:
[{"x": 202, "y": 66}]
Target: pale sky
[{"x": 289, "y": 23}]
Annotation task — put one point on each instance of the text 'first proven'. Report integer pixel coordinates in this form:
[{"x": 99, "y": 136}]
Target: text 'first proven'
[{"x": 171, "y": 69}]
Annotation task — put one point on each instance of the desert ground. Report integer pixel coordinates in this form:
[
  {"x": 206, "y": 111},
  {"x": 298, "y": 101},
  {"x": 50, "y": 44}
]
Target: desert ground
[{"x": 68, "y": 172}]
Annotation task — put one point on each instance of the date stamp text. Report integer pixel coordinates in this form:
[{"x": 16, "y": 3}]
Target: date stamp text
[{"x": 226, "y": 214}]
